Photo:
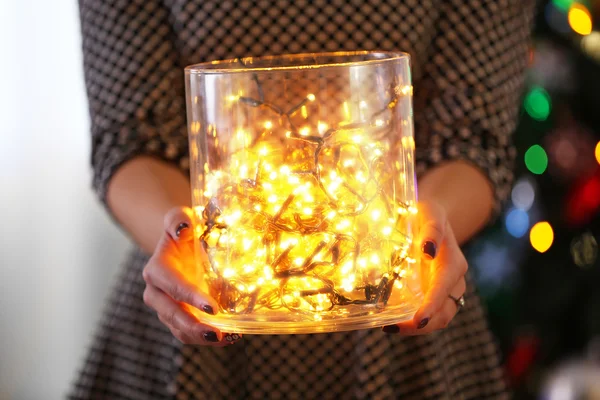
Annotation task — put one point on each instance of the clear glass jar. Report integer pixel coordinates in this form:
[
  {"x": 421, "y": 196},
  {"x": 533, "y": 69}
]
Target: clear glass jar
[{"x": 304, "y": 189}]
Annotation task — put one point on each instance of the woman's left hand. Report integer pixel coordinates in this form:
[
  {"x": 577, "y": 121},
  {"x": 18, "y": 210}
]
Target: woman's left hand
[{"x": 444, "y": 267}]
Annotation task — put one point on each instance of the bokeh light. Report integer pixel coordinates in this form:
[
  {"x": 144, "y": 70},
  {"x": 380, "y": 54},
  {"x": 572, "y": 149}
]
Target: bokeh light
[
  {"x": 562, "y": 5},
  {"x": 537, "y": 103},
  {"x": 536, "y": 159},
  {"x": 584, "y": 250},
  {"x": 517, "y": 222},
  {"x": 590, "y": 44},
  {"x": 580, "y": 19},
  {"x": 523, "y": 194},
  {"x": 597, "y": 152},
  {"x": 541, "y": 236}
]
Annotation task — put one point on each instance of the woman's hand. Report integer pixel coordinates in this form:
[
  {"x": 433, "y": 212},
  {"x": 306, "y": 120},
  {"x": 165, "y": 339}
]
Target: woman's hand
[
  {"x": 173, "y": 285},
  {"x": 444, "y": 267}
]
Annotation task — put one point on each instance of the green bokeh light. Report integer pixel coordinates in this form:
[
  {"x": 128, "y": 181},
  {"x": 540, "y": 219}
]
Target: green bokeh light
[
  {"x": 562, "y": 5},
  {"x": 536, "y": 159},
  {"x": 537, "y": 103}
]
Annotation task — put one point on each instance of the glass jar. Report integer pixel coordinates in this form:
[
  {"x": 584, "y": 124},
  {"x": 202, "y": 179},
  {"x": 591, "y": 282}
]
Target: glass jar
[{"x": 303, "y": 182}]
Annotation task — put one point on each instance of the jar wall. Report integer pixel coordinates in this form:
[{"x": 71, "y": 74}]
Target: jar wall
[{"x": 304, "y": 191}]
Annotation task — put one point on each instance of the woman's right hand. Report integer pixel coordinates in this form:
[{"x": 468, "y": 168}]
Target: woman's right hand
[{"x": 173, "y": 285}]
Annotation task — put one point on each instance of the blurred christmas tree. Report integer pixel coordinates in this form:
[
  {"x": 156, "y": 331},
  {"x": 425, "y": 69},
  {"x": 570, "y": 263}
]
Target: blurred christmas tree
[{"x": 538, "y": 268}]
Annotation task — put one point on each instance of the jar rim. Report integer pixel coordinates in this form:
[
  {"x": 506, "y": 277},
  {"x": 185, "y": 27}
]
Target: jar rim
[{"x": 257, "y": 64}]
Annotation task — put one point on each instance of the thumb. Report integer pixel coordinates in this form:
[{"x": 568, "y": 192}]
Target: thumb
[
  {"x": 178, "y": 224},
  {"x": 432, "y": 230}
]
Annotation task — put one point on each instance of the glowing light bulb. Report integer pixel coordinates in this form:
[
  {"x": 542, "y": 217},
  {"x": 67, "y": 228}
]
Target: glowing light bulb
[
  {"x": 307, "y": 211},
  {"x": 322, "y": 127},
  {"x": 598, "y": 152},
  {"x": 304, "y": 131},
  {"x": 228, "y": 273},
  {"x": 268, "y": 125},
  {"x": 387, "y": 230},
  {"x": 375, "y": 215},
  {"x": 310, "y": 97},
  {"x": 267, "y": 272}
]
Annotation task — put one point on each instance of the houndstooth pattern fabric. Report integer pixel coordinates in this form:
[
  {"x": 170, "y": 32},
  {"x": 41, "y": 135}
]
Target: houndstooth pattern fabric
[{"x": 468, "y": 59}]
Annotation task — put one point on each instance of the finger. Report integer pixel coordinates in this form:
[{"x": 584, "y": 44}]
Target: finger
[
  {"x": 163, "y": 273},
  {"x": 174, "y": 315},
  {"x": 433, "y": 226},
  {"x": 439, "y": 320},
  {"x": 187, "y": 339},
  {"x": 177, "y": 224},
  {"x": 448, "y": 268}
]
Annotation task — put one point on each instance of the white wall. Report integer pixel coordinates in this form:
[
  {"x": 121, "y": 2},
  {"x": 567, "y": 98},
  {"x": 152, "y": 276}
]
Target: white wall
[{"x": 58, "y": 250}]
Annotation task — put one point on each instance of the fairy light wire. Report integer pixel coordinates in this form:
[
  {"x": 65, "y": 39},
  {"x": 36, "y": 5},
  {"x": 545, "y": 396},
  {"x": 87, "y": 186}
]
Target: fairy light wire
[{"x": 234, "y": 300}]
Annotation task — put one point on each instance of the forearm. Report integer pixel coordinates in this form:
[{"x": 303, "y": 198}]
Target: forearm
[
  {"x": 140, "y": 194},
  {"x": 464, "y": 192}
]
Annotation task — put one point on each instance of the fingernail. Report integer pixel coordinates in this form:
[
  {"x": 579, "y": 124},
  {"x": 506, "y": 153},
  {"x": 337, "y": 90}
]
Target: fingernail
[
  {"x": 211, "y": 336},
  {"x": 181, "y": 227},
  {"x": 429, "y": 248},
  {"x": 423, "y": 323},
  {"x": 391, "y": 329},
  {"x": 208, "y": 309},
  {"x": 232, "y": 337}
]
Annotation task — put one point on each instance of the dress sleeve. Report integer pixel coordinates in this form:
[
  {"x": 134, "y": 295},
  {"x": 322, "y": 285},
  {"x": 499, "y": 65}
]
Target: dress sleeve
[
  {"x": 134, "y": 85},
  {"x": 467, "y": 94}
]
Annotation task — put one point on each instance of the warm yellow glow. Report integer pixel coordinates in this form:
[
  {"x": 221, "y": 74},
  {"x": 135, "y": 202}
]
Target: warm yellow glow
[
  {"x": 304, "y": 112},
  {"x": 541, "y": 236},
  {"x": 346, "y": 110},
  {"x": 376, "y": 214},
  {"x": 580, "y": 19},
  {"x": 597, "y": 152},
  {"x": 322, "y": 127},
  {"x": 300, "y": 231},
  {"x": 228, "y": 272}
]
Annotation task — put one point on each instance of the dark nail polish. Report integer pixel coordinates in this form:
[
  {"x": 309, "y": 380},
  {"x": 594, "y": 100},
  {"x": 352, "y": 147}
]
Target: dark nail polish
[
  {"x": 208, "y": 309},
  {"x": 430, "y": 248},
  {"x": 423, "y": 323},
  {"x": 211, "y": 336},
  {"x": 391, "y": 329},
  {"x": 181, "y": 227}
]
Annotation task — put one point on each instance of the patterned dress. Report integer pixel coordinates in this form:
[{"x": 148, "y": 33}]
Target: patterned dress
[{"x": 468, "y": 58}]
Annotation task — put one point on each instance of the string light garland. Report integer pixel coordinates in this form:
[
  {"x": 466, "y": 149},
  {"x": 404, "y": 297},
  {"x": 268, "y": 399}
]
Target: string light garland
[{"x": 301, "y": 218}]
